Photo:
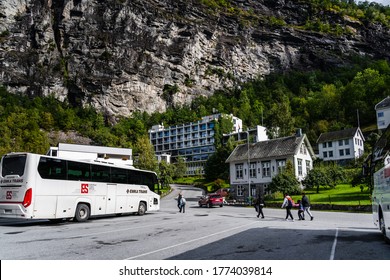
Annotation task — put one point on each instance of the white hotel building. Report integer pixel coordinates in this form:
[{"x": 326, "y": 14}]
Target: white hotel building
[{"x": 193, "y": 141}]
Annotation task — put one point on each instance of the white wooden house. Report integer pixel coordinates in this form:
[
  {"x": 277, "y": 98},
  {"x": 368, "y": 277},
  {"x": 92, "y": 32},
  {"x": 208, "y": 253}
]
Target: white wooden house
[
  {"x": 341, "y": 146},
  {"x": 251, "y": 172}
]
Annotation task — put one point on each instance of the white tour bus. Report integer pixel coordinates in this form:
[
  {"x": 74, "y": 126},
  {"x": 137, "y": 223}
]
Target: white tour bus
[
  {"x": 381, "y": 201},
  {"x": 36, "y": 186},
  {"x": 380, "y": 168}
]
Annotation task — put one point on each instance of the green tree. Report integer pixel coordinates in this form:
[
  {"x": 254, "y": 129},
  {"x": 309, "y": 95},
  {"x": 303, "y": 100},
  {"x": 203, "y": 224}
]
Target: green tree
[
  {"x": 336, "y": 174},
  {"x": 166, "y": 172},
  {"x": 244, "y": 109},
  {"x": 216, "y": 166},
  {"x": 315, "y": 178},
  {"x": 282, "y": 122},
  {"x": 146, "y": 156},
  {"x": 366, "y": 89},
  {"x": 285, "y": 181},
  {"x": 223, "y": 125},
  {"x": 180, "y": 168}
]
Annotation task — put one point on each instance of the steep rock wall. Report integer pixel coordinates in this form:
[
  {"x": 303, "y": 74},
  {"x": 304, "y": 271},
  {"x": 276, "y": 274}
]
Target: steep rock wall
[{"x": 120, "y": 55}]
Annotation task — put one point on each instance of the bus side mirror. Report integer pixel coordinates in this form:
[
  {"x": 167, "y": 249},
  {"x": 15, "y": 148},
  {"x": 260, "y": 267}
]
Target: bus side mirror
[{"x": 365, "y": 170}]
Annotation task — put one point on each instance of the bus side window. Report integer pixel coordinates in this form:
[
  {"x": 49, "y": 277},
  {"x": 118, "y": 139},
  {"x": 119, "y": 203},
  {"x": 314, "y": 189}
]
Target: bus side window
[
  {"x": 79, "y": 171},
  {"x": 100, "y": 173},
  {"x": 118, "y": 175},
  {"x": 50, "y": 168},
  {"x": 135, "y": 177}
]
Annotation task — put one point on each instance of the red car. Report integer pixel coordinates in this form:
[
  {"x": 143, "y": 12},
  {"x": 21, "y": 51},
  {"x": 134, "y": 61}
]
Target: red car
[{"x": 211, "y": 200}]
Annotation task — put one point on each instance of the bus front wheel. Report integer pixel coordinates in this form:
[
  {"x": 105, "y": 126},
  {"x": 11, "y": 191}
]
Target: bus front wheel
[
  {"x": 141, "y": 208},
  {"x": 82, "y": 212},
  {"x": 382, "y": 227}
]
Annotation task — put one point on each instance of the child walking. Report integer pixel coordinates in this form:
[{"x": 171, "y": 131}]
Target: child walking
[{"x": 300, "y": 210}]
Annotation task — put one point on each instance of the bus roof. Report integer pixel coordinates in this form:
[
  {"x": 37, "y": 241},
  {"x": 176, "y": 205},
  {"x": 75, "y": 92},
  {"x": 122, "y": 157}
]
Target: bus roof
[
  {"x": 99, "y": 162},
  {"x": 94, "y": 149}
]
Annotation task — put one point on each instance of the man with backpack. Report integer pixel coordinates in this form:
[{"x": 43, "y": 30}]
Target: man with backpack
[
  {"x": 259, "y": 204},
  {"x": 288, "y": 204},
  {"x": 306, "y": 206}
]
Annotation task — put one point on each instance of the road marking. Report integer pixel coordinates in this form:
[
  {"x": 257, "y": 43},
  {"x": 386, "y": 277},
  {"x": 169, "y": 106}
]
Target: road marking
[
  {"x": 190, "y": 241},
  {"x": 123, "y": 229},
  {"x": 332, "y": 253}
]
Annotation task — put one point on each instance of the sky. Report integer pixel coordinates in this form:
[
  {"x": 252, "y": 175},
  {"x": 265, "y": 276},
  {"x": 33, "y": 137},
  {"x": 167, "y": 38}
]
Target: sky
[{"x": 383, "y": 2}]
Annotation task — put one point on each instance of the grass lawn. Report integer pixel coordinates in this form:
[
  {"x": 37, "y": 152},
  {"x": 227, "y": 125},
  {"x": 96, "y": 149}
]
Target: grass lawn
[{"x": 343, "y": 194}]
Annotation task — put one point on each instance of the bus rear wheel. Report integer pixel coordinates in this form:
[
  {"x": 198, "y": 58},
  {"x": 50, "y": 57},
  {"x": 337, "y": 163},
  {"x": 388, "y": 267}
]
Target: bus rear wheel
[
  {"x": 141, "y": 208},
  {"x": 82, "y": 212},
  {"x": 382, "y": 227}
]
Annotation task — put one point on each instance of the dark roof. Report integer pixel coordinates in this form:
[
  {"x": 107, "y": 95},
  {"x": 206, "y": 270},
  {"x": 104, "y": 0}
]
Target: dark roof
[
  {"x": 337, "y": 135},
  {"x": 383, "y": 104},
  {"x": 273, "y": 148}
]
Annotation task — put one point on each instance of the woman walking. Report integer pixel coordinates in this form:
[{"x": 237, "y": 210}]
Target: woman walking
[{"x": 288, "y": 204}]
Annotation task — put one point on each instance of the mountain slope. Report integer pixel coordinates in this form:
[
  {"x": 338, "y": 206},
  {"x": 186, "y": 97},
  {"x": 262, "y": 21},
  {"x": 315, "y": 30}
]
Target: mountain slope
[{"x": 125, "y": 56}]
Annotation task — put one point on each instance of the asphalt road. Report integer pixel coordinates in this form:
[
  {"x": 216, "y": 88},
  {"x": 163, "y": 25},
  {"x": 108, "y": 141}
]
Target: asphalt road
[{"x": 220, "y": 233}]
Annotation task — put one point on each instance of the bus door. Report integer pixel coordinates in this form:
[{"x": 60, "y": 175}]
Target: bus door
[{"x": 111, "y": 198}]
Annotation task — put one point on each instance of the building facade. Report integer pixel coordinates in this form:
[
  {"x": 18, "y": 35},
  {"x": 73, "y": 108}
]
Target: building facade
[
  {"x": 92, "y": 153},
  {"x": 256, "y": 134},
  {"x": 193, "y": 141},
  {"x": 383, "y": 113},
  {"x": 341, "y": 146},
  {"x": 253, "y": 165}
]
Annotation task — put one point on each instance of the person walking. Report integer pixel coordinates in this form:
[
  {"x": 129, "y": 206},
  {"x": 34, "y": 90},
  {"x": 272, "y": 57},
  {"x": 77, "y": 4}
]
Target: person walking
[
  {"x": 288, "y": 204},
  {"x": 259, "y": 206},
  {"x": 300, "y": 210},
  {"x": 181, "y": 203},
  {"x": 179, "y": 197},
  {"x": 306, "y": 206}
]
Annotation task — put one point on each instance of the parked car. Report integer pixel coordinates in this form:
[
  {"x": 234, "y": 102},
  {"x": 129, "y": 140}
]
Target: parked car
[
  {"x": 223, "y": 192},
  {"x": 211, "y": 200}
]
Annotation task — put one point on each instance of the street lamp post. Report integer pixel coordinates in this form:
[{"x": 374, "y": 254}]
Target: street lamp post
[{"x": 249, "y": 170}]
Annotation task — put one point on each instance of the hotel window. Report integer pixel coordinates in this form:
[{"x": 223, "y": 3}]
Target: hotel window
[
  {"x": 325, "y": 154},
  {"x": 239, "y": 168},
  {"x": 329, "y": 144},
  {"x": 324, "y": 145},
  {"x": 380, "y": 114},
  {"x": 340, "y": 142},
  {"x": 346, "y": 141},
  {"x": 266, "y": 169},
  {"x": 330, "y": 153},
  {"x": 341, "y": 153},
  {"x": 347, "y": 152}
]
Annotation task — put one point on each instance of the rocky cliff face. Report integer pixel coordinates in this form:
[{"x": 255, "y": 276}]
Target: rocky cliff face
[{"x": 123, "y": 56}]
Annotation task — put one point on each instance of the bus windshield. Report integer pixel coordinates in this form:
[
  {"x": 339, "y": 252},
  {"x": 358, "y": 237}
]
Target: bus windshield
[{"x": 13, "y": 165}]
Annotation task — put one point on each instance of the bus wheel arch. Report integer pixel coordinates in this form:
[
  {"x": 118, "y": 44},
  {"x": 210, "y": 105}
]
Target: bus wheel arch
[
  {"x": 142, "y": 208},
  {"x": 83, "y": 212},
  {"x": 382, "y": 226}
]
